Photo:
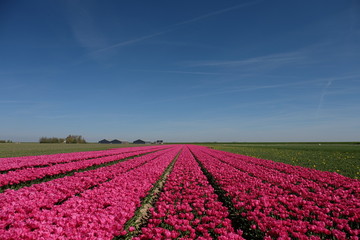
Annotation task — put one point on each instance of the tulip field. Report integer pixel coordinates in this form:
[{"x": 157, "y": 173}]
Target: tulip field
[{"x": 172, "y": 192}]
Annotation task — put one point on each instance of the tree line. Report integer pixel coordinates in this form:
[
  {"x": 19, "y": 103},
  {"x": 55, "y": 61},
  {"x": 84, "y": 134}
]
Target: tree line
[{"x": 68, "y": 139}]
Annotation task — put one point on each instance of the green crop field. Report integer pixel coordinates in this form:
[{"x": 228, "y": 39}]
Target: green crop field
[
  {"x": 30, "y": 149},
  {"x": 343, "y": 158}
]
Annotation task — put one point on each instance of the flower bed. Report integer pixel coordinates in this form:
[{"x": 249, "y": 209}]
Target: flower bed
[
  {"x": 46, "y": 195},
  {"x": 14, "y": 163},
  {"x": 285, "y": 205},
  {"x": 188, "y": 208},
  {"x": 27, "y": 174},
  {"x": 96, "y": 213}
]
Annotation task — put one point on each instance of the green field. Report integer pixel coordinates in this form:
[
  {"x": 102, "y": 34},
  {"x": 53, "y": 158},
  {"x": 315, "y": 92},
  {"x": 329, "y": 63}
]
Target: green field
[
  {"x": 29, "y": 149},
  {"x": 343, "y": 158}
]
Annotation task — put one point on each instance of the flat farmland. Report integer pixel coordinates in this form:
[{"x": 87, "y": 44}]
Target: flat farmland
[
  {"x": 343, "y": 158},
  {"x": 30, "y": 148},
  {"x": 172, "y": 192}
]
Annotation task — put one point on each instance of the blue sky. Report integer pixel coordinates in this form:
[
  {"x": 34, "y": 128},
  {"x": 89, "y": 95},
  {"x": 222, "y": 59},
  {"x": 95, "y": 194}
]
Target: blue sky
[{"x": 180, "y": 70}]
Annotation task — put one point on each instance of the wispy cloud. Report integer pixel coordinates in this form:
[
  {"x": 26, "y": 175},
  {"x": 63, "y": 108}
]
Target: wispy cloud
[
  {"x": 182, "y": 44},
  {"x": 5, "y": 87},
  {"x": 55, "y": 116},
  {"x": 218, "y": 12},
  {"x": 267, "y": 60},
  {"x": 129, "y": 42},
  {"x": 82, "y": 24},
  {"x": 231, "y": 90},
  {"x": 252, "y": 104},
  {"x": 9, "y": 101},
  {"x": 173, "y": 27},
  {"x": 16, "y": 102},
  {"x": 182, "y": 72},
  {"x": 240, "y": 89},
  {"x": 322, "y": 96},
  {"x": 325, "y": 90}
]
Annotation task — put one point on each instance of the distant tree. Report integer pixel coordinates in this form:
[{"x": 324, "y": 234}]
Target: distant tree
[
  {"x": 74, "y": 139},
  {"x": 51, "y": 140},
  {"x": 68, "y": 139}
]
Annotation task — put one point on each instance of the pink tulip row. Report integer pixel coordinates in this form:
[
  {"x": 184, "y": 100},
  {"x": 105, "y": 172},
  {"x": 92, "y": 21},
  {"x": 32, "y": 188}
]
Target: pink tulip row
[
  {"x": 327, "y": 179},
  {"x": 20, "y": 204},
  {"x": 283, "y": 205},
  {"x": 343, "y": 198},
  {"x": 96, "y": 213},
  {"x": 346, "y": 195},
  {"x": 27, "y": 174},
  {"x": 188, "y": 207},
  {"x": 13, "y": 163}
]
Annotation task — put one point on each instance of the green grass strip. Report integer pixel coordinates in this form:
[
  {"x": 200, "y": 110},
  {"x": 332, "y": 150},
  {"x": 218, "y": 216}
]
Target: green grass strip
[{"x": 141, "y": 215}]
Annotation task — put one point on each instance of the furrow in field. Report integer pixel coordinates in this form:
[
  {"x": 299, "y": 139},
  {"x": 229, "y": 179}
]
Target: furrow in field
[
  {"x": 118, "y": 169},
  {"x": 36, "y": 197},
  {"x": 188, "y": 208},
  {"x": 342, "y": 198},
  {"x": 320, "y": 177},
  {"x": 96, "y": 213},
  {"x": 281, "y": 207},
  {"x": 238, "y": 221},
  {"x": 17, "y": 163},
  {"x": 142, "y": 213},
  {"x": 29, "y": 176}
]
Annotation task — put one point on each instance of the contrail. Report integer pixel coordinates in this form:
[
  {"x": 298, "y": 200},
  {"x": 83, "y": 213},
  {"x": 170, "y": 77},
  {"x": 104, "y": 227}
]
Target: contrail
[
  {"x": 139, "y": 39},
  {"x": 129, "y": 42},
  {"x": 216, "y": 13},
  {"x": 322, "y": 97}
]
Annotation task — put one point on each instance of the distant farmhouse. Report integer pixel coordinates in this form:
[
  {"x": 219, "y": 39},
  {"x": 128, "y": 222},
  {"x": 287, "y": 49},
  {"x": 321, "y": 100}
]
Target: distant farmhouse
[
  {"x": 115, "y": 141},
  {"x": 139, "y": 141}
]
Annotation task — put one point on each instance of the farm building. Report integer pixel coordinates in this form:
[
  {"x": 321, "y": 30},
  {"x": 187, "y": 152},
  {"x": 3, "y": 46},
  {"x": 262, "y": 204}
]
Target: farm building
[
  {"x": 115, "y": 141},
  {"x": 139, "y": 141},
  {"x": 159, "y": 142}
]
